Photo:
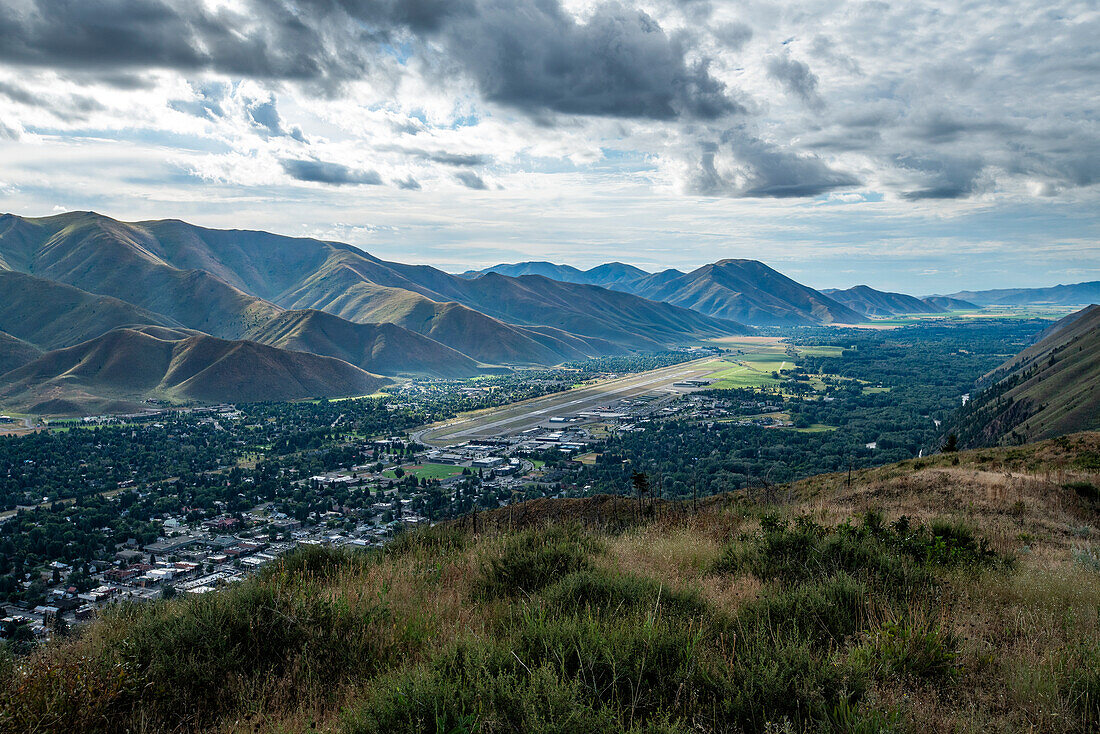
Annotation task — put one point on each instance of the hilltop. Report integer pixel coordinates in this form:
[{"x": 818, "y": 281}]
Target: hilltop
[
  {"x": 1051, "y": 388},
  {"x": 957, "y": 592},
  {"x": 747, "y": 291}
]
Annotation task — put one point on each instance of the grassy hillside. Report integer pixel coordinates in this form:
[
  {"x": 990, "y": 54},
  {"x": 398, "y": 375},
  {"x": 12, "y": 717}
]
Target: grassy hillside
[
  {"x": 384, "y": 348},
  {"x": 53, "y": 315},
  {"x": 958, "y": 593},
  {"x": 746, "y": 291},
  {"x": 106, "y": 257},
  {"x": 15, "y": 352},
  {"x": 1051, "y": 388},
  {"x": 129, "y": 365}
]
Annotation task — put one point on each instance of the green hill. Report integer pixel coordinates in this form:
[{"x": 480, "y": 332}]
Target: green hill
[
  {"x": 385, "y": 348},
  {"x": 955, "y": 593},
  {"x": 1049, "y": 389},
  {"x": 125, "y": 366}
]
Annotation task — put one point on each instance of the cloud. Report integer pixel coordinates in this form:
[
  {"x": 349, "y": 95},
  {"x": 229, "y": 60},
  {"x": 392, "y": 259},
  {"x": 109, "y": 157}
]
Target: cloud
[
  {"x": 745, "y": 166},
  {"x": 796, "y": 78},
  {"x": 943, "y": 177},
  {"x": 263, "y": 114},
  {"x": 408, "y": 184},
  {"x": 66, "y": 107},
  {"x": 325, "y": 172},
  {"x": 527, "y": 54},
  {"x": 533, "y": 56},
  {"x": 471, "y": 180}
]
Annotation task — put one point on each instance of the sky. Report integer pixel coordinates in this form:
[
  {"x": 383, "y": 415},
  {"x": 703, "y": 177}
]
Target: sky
[{"x": 926, "y": 147}]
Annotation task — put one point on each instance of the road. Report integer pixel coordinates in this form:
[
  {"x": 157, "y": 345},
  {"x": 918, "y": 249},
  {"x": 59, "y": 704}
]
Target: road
[{"x": 518, "y": 417}]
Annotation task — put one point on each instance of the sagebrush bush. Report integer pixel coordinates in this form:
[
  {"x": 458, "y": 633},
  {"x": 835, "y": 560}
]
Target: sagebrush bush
[{"x": 532, "y": 559}]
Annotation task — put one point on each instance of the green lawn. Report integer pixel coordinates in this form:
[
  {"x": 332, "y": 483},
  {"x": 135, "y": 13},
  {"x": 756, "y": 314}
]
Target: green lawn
[
  {"x": 746, "y": 370},
  {"x": 427, "y": 471}
]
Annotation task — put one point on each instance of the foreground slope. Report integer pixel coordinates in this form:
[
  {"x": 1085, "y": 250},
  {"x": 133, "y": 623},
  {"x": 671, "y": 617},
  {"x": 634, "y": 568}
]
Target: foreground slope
[
  {"x": 747, "y": 291},
  {"x": 126, "y": 366},
  {"x": 1051, "y": 388},
  {"x": 871, "y": 302},
  {"x": 901, "y": 600}
]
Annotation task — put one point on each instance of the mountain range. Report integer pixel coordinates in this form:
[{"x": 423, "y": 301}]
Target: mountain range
[
  {"x": 1047, "y": 390},
  {"x": 70, "y": 280},
  {"x": 745, "y": 291},
  {"x": 1058, "y": 295}
]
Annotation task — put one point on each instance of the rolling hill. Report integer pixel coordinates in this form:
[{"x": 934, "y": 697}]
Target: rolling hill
[
  {"x": 871, "y": 302},
  {"x": 51, "y": 315},
  {"x": 125, "y": 366},
  {"x": 1058, "y": 295},
  {"x": 1049, "y": 389},
  {"x": 951, "y": 304},
  {"x": 385, "y": 349},
  {"x": 745, "y": 291}
]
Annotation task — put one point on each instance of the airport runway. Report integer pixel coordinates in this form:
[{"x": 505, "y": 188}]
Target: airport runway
[{"x": 509, "y": 420}]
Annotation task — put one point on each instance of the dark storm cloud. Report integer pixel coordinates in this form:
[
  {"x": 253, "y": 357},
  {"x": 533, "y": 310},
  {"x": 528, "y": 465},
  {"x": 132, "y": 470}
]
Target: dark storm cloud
[
  {"x": 112, "y": 35},
  {"x": 533, "y": 56},
  {"x": 944, "y": 177},
  {"x": 762, "y": 170},
  {"x": 796, "y": 78},
  {"x": 471, "y": 180},
  {"x": 324, "y": 172},
  {"x": 528, "y": 54}
]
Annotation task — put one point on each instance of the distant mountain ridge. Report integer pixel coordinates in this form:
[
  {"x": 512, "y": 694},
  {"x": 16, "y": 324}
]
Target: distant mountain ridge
[
  {"x": 870, "y": 302},
  {"x": 1049, "y": 389},
  {"x": 1059, "y": 295},
  {"x": 607, "y": 274}
]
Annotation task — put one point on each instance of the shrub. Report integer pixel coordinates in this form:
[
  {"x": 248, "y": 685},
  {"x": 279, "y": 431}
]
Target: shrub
[
  {"x": 533, "y": 559},
  {"x": 908, "y": 649}
]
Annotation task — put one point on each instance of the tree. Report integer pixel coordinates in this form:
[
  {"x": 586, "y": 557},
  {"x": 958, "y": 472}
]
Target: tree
[
  {"x": 640, "y": 482},
  {"x": 951, "y": 444}
]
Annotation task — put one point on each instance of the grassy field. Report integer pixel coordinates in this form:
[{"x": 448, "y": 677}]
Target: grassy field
[
  {"x": 427, "y": 471},
  {"x": 957, "y": 593}
]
